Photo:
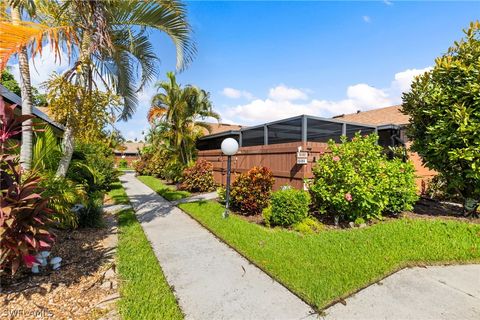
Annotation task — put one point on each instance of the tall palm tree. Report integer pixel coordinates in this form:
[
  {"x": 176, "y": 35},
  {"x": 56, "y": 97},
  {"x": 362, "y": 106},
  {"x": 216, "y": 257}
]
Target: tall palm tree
[
  {"x": 26, "y": 152},
  {"x": 184, "y": 110},
  {"x": 111, "y": 43}
]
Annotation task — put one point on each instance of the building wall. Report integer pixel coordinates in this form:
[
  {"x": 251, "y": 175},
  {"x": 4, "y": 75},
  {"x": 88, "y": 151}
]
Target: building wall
[{"x": 281, "y": 159}]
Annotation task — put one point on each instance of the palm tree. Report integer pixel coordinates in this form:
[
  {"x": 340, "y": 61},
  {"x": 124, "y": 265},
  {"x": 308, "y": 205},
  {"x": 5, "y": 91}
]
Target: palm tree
[
  {"x": 26, "y": 151},
  {"x": 184, "y": 110},
  {"x": 110, "y": 44}
]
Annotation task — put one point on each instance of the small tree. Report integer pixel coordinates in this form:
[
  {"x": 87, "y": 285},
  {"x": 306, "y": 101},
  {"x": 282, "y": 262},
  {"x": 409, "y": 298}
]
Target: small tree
[{"x": 444, "y": 110}]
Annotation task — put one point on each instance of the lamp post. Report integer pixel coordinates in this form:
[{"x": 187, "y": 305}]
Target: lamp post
[{"x": 229, "y": 148}]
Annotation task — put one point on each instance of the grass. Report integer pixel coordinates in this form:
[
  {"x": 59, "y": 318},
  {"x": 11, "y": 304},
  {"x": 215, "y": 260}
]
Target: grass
[
  {"x": 145, "y": 294},
  {"x": 325, "y": 267},
  {"x": 168, "y": 192}
]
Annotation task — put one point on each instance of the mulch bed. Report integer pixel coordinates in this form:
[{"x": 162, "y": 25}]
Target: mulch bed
[{"x": 72, "y": 292}]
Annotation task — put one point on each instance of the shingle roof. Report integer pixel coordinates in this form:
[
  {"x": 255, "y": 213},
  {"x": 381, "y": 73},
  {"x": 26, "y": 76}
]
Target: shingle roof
[
  {"x": 131, "y": 148},
  {"x": 12, "y": 98},
  {"x": 387, "y": 115},
  {"x": 222, "y": 127}
]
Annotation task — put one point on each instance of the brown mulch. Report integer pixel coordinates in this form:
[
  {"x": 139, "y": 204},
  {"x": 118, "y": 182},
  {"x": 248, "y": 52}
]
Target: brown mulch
[
  {"x": 433, "y": 209},
  {"x": 72, "y": 292}
]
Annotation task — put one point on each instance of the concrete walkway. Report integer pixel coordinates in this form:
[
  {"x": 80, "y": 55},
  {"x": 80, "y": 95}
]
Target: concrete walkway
[
  {"x": 436, "y": 293},
  {"x": 197, "y": 197},
  {"x": 210, "y": 280}
]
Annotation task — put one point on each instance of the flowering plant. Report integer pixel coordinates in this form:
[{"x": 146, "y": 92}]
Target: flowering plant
[{"x": 356, "y": 180}]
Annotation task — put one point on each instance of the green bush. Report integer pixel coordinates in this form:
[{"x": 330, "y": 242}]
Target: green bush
[
  {"x": 250, "y": 192},
  {"x": 63, "y": 194},
  {"x": 91, "y": 215},
  {"x": 222, "y": 194},
  {"x": 308, "y": 226},
  {"x": 199, "y": 177},
  {"x": 93, "y": 165},
  {"x": 287, "y": 207},
  {"x": 444, "y": 111},
  {"x": 123, "y": 163},
  {"x": 356, "y": 180},
  {"x": 151, "y": 163}
]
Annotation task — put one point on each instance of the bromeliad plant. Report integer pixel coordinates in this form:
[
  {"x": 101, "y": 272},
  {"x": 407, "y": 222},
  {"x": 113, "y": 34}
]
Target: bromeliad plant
[{"x": 24, "y": 214}]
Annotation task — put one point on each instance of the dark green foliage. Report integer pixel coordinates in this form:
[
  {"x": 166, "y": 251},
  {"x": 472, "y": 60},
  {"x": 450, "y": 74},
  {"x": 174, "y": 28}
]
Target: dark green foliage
[
  {"x": 444, "y": 111},
  {"x": 8, "y": 81},
  {"x": 250, "y": 192},
  {"x": 199, "y": 177},
  {"x": 92, "y": 214},
  {"x": 93, "y": 165},
  {"x": 288, "y": 207},
  {"x": 357, "y": 180}
]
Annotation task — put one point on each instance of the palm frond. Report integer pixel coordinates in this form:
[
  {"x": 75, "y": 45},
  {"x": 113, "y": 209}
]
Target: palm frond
[
  {"x": 167, "y": 16},
  {"x": 22, "y": 34}
]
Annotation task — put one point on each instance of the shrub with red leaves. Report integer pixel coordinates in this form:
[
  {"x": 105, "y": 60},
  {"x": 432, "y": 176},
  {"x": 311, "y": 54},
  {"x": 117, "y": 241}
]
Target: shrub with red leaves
[
  {"x": 251, "y": 191},
  {"x": 24, "y": 215},
  {"x": 199, "y": 177}
]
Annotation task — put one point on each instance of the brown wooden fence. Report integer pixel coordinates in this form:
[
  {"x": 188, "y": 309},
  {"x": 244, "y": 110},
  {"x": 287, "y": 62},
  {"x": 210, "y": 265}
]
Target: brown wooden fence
[{"x": 280, "y": 158}]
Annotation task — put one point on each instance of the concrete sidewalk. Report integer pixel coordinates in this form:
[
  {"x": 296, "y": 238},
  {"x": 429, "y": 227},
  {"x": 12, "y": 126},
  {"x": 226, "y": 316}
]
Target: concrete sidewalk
[
  {"x": 196, "y": 198},
  {"x": 210, "y": 280},
  {"x": 436, "y": 293}
]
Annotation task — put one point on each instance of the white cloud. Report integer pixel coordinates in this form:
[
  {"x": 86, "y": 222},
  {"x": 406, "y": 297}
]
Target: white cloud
[
  {"x": 388, "y": 3},
  {"x": 43, "y": 66},
  {"x": 284, "y": 93},
  {"x": 282, "y": 102},
  {"x": 367, "y": 19},
  {"x": 236, "y": 94}
]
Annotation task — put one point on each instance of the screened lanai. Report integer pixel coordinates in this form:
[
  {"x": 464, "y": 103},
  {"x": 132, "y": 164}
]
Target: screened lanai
[{"x": 301, "y": 128}]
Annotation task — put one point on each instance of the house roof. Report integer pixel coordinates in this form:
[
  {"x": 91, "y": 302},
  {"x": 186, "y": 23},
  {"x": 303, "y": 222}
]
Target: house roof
[
  {"x": 12, "y": 98},
  {"x": 381, "y": 116},
  {"x": 131, "y": 148},
  {"x": 221, "y": 127}
]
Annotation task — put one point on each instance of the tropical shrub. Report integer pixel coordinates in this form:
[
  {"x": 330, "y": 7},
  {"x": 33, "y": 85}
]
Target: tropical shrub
[
  {"x": 308, "y": 225},
  {"x": 24, "y": 214},
  {"x": 151, "y": 163},
  {"x": 251, "y": 191},
  {"x": 123, "y": 163},
  {"x": 222, "y": 194},
  {"x": 93, "y": 165},
  {"x": 444, "y": 112},
  {"x": 287, "y": 207},
  {"x": 64, "y": 194},
  {"x": 91, "y": 215},
  {"x": 199, "y": 177},
  {"x": 357, "y": 180}
]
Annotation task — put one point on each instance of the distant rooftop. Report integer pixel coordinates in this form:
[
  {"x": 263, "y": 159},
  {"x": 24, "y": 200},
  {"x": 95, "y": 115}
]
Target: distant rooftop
[
  {"x": 381, "y": 116},
  {"x": 131, "y": 148},
  {"x": 222, "y": 127}
]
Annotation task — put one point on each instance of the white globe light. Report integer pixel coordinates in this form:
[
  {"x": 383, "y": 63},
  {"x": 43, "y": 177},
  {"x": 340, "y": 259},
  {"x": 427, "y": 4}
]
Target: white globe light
[{"x": 229, "y": 146}]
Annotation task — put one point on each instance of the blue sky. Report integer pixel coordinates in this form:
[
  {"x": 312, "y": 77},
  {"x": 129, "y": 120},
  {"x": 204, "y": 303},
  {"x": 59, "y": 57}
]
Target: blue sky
[{"x": 267, "y": 60}]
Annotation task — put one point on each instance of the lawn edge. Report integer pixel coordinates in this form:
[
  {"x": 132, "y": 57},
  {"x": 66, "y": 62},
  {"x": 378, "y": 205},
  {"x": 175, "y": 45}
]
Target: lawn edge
[
  {"x": 343, "y": 297},
  {"x": 133, "y": 211}
]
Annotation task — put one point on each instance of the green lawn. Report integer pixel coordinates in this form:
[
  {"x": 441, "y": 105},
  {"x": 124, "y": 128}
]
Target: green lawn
[
  {"x": 168, "y": 192},
  {"x": 324, "y": 267},
  {"x": 145, "y": 294}
]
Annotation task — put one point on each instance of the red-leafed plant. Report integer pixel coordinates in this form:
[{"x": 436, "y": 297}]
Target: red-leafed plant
[
  {"x": 24, "y": 215},
  {"x": 199, "y": 177},
  {"x": 251, "y": 191}
]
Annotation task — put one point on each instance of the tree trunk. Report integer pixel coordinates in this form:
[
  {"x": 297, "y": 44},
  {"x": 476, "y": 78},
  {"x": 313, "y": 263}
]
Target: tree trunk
[
  {"x": 27, "y": 101},
  {"x": 68, "y": 136},
  {"x": 67, "y": 146}
]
